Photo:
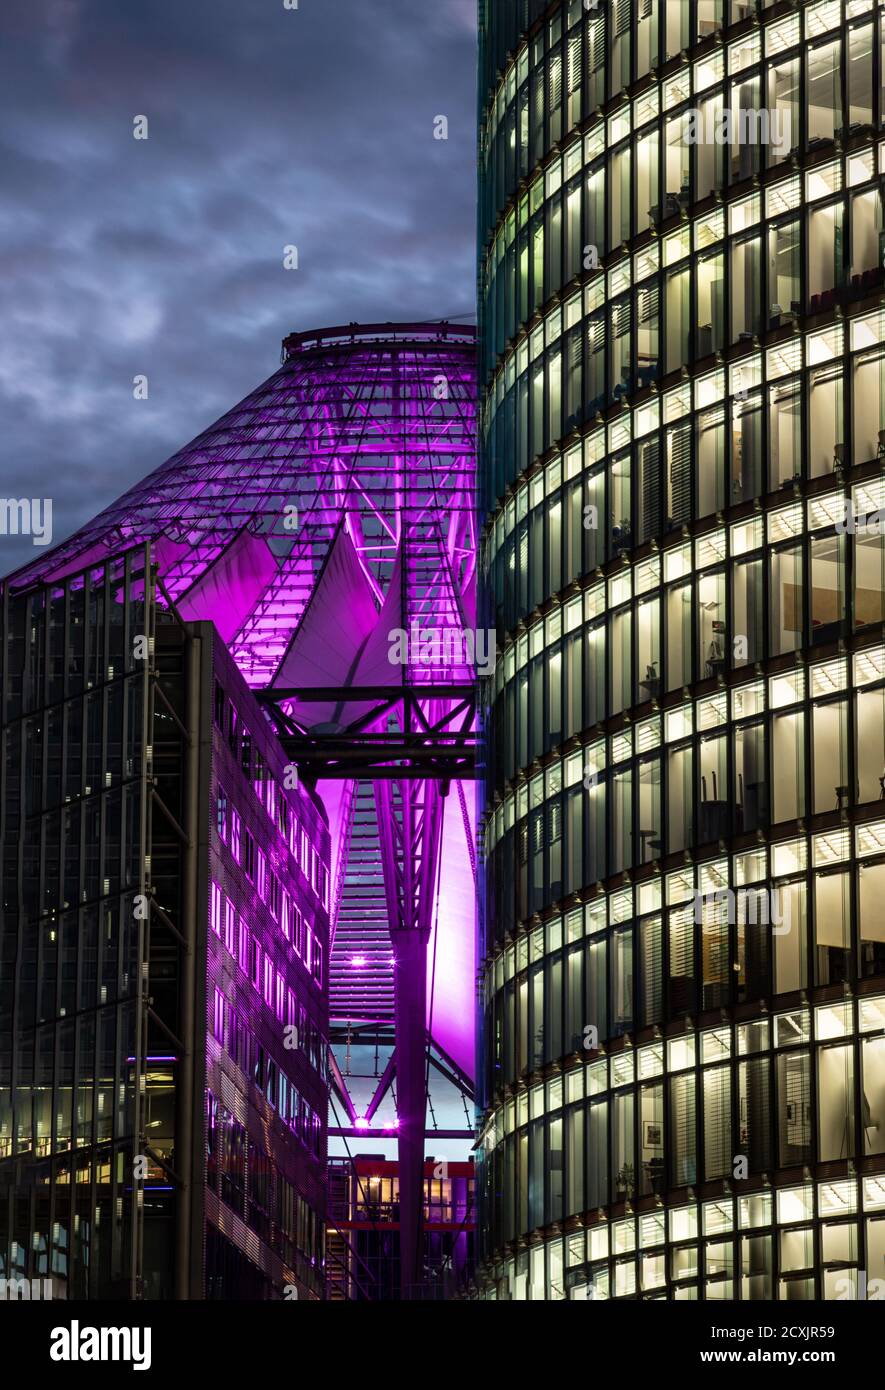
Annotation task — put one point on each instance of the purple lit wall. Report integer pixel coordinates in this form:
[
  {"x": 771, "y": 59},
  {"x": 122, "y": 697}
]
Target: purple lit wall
[{"x": 266, "y": 1001}]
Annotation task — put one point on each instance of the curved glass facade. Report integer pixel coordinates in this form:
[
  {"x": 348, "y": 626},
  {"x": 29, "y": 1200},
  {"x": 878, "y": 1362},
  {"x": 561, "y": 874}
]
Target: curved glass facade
[{"x": 683, "y": 426}]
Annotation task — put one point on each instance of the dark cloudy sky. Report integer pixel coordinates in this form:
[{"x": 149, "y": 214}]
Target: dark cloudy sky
[{"x": 267, "y": 127}]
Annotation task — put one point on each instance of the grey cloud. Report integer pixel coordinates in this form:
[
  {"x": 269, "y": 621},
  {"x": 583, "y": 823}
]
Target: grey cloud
[{"x": 267, "y": 127}]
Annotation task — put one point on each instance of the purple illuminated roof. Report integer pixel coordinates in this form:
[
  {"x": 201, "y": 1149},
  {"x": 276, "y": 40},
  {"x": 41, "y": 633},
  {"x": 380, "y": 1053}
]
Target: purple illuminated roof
[
  {"x": 333, "y": 505},
  {"x": 366, "y": 431}
]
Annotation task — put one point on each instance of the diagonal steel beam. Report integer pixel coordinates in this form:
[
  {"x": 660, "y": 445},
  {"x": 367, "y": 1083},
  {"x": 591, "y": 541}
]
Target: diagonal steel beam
[
  {"x": 410, "y": 825},
  {"x": 383, "y": 1086}
]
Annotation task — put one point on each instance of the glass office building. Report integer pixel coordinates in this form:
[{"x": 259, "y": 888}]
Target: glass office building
[
  {"x": 683, "y": 432},
  {"x": 165, "y": 922}
]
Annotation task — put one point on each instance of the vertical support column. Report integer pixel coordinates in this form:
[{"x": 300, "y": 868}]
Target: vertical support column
[
  {"x": 410, "y": 835},
  {"x": 136, "y": 1266},
  {"x": 410, "y": 1010},
  {"x": 187, "y": 1099}
]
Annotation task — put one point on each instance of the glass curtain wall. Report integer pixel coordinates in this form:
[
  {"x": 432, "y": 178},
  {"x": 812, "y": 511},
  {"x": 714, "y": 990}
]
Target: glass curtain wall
[{"x": 695, "y": 420}]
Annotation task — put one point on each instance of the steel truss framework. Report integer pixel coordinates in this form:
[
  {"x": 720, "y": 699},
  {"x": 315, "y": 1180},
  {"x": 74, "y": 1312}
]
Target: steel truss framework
[
  {"x": 433, "y": 738},
  {"x": 332, "y": 507},
  {"x": 380, "y": 1039}
]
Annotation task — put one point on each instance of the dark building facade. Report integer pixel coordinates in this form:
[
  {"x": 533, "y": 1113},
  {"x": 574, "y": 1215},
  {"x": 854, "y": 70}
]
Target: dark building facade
[
  {"x": 682, "y": 420},
  {"x": 163, "y": 1011}
]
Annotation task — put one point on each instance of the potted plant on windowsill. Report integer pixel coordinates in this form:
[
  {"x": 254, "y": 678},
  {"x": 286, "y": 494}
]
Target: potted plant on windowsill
[{"x": 625, "y": 1182}]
